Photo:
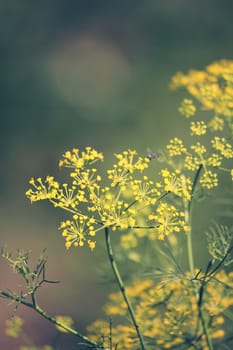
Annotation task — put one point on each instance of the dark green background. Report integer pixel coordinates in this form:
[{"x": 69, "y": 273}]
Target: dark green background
[{"x": 77, "y": 73}]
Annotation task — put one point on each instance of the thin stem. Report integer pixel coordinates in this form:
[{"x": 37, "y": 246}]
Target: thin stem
[
  {"x": 205, "y": 329},
  {"x": 190, "y": 252},
  {"x": 122, "y": 287},
  {"x": 199, "y": 294},
  {"x": 110, "y": 333},
  {"x": 40, "y": 311},
  {"x": 201, "y": 312},
  {"x": 195, "y": 181},
  {"x": 188, "y": 220}
]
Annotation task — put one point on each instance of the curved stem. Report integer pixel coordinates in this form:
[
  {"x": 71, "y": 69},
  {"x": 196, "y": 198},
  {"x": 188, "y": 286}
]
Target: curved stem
[
  {"x": 40, "y": 311},
  {"x": 122, "y": 287}
]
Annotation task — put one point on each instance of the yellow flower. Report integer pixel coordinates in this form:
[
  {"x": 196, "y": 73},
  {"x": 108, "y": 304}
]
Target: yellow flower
[
  {"x": 220, "y": 68},
  {"x": 14, "y": 326},
  {"x": 198, "y": 128},
  {"x": 176, "y": 183},
  {"x": 144, "y": 191},
  {"x": 215, "y": 160},
  {"x": 168, "y": 220},
  {"x": 42, "y": 190},
  {"x": 212, "y": 88},
  {"x": 209, "y": 179},
  {"x": 221, "y": 145},
  {"x": 78, "y": 231},
  {"x": 218, "y": 334},
  {"x": 187, "y": 108},
  {"x": 216, "y": 123},
  {"x": 191, "y": 163},
  {"x": 86, "y": 179},
  {"x": 198, "y": 148},
  {"x": 119, "y": 177},
  {"x": 128, "y": 241},
  {"x": 78, "y": 160},
  {"x": 176, "y": 147},
  {"x": 127, "y": 161},
  {"x": 167, "y": 312}
]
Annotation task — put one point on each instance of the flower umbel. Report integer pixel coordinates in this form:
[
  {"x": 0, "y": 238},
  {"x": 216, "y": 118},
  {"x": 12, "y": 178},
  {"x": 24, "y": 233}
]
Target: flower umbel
[
  {"x": 187, "y": 108},
  {"x": 198, "y": 128},
  {"x": 78, "y": 231},
  {"x": 168, "y": 220},
  {"x": 168, "y": 313},
  {"x": 76, "y": 159},
  {"x": 176, "y": 147}
]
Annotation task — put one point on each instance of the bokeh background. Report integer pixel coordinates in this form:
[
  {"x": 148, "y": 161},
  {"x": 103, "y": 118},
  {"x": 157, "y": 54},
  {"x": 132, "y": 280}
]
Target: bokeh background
[{"x": 76, "y": 73}]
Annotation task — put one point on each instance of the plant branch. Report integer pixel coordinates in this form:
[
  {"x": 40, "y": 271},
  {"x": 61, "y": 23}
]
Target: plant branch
[
  {"x": 44, "y": 314},
  {"x": 122, "y": 287},
  {"x": 200, "y": 293}
]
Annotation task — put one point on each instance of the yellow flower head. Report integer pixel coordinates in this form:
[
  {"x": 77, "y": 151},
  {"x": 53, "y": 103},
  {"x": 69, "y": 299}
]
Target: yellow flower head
[
  {"x": 209, "y": 179},
  {"x": 14, "y": 326},
  {"x": 199, "y": 149},
  {"x": 168, "y": 220},
  {"x": 176, "y": 147},
  {"x": 167, "y": 312},
  {"x": 216, "y": 124},
  {"x": 78, "y": 231},
  {"x": 127, "y": 161},
  {"x": 42, "y": 190},
  {"x": 176, "y": 183},
  {"x": 187, "y": 108},
  {"x": 77, "y": 160},
  {"x": 221, "y": 145},
  {"x": 212, "y": 88},
  {"x": 198, "y": 128}
]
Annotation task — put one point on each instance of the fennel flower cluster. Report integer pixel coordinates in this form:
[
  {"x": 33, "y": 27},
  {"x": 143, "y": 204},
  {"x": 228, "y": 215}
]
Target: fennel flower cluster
[
  {"x": 157, "y": 207},
  {"x": 92, "y": 206},
  {"x": 211, "y": 90},
  {"x": 131, "y": 199},
  {"x": 167, "y": 312}
]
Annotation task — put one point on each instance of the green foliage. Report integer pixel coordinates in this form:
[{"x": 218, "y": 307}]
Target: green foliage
[{"x": 219, "y": 243}]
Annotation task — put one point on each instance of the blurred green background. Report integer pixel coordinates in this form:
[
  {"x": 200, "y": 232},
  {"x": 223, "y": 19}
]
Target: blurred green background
[{"x": 76, "y": 73}]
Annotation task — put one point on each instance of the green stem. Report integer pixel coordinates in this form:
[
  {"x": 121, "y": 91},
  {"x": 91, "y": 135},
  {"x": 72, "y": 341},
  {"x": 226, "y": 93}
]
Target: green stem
[
  {"x": 190, "y": 253},
  {"x": 40, "y": 311},
  {"x": 122, "y": 287},
  {"x": 205, "y": 329},
  {"x": 188, "y": 220}
]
